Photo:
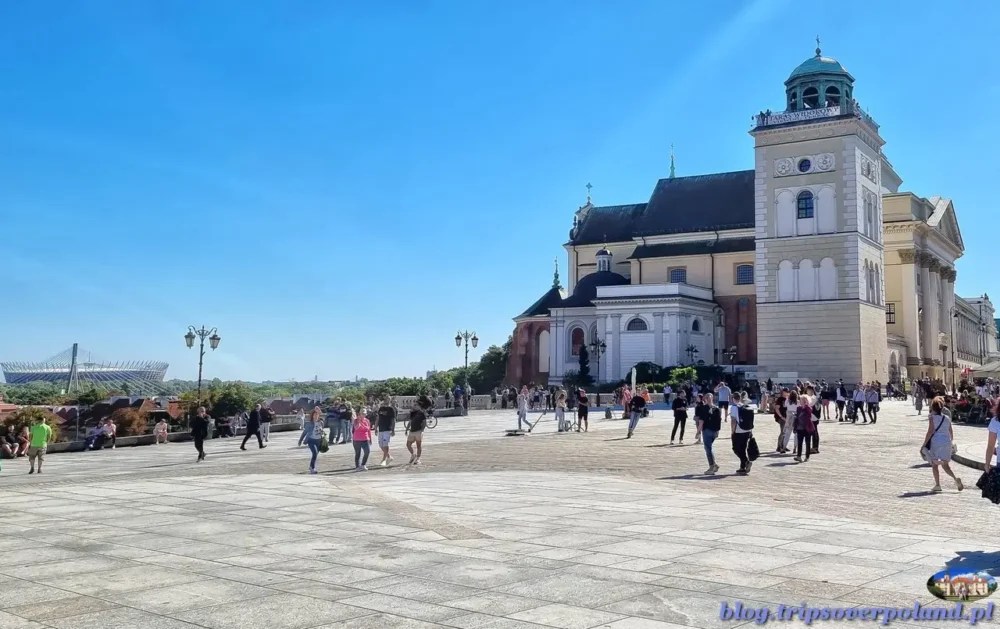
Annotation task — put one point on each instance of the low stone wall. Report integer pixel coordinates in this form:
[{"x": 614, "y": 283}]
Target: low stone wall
[{"x": 148, "y": 440}]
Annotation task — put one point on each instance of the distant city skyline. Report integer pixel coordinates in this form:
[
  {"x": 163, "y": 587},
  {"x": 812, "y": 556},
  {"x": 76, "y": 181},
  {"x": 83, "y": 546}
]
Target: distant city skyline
[{"x": 339, "y": 188}]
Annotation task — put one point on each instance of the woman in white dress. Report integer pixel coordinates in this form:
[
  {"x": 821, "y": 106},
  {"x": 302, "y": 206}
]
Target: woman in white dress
[{"x": 938, "y": 440}]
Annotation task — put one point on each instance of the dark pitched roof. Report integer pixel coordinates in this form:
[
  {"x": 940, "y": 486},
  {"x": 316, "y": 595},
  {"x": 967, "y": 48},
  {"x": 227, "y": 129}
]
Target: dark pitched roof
[
  {"x": 701, "y": 247},
  {"x": 549, "y": 300},
  {"x": 609, "y": 223},
  {"x": 586, "y": 289},
  {"x": 679, "y": 204}
]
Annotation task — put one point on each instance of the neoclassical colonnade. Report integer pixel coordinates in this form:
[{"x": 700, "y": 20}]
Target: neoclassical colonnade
[{"x": 928, "y": 332}]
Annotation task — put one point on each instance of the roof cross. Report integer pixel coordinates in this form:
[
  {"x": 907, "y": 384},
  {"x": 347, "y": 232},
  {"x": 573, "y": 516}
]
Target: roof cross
[
  {"x": 588, "y": 191},
  {"x": 818, "y": 52}
]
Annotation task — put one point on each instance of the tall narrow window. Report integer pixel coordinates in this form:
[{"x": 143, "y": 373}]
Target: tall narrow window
[
  {"x": 890, "y": 313},
  {"x": 805, "y": 204},
  {"x": 744, "y": 274},
  {"x": 576, "y": 341}
]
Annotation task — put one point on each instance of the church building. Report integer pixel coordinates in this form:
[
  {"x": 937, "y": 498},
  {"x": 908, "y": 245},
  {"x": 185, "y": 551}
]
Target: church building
[{"x": 811, "y": 265}]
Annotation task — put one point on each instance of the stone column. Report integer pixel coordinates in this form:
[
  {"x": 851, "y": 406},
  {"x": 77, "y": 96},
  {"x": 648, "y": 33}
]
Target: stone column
[
  {"x": 934, "y": 309},
  {"x": 555, "y": 356},
  {"x": 927, "y": 341},
  {"x": 948, "y": 307},
  {"x": 673, "y": 340},
  {"x": 658, "y": 338},
  {"x": 614, "y": 371},
  {"x": 602, "y": 327},
  {"x": 907, "y": 314}
]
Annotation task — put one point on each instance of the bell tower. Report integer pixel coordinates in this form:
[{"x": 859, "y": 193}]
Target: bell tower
[{"x": 819, "y": 249}]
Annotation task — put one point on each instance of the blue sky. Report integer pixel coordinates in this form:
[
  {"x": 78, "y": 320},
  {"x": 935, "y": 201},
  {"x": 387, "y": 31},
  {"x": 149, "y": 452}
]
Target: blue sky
[{"x": 339, "y": 187}]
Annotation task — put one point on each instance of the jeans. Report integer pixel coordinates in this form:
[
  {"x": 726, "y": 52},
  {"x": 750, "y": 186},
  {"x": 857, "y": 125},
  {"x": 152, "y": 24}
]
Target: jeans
[
  {"x": 781, "y": 434},
  {"x": 740, "y": 441},
  {"x": 815, "y": 436},
  {"x": 708, "y": 438},
  {"x": 634, "y": 421},
  {"x": 522, "y": 415},
  {"x": 786, "y": 434},
  {"x": 345, "y": 430},
  {"x": 678, "y": 421},
  {"x": 561, "y": 420},
  {"x": 313, "y": 444},
  {"x": 359, "y": 448},
  {"x": 305, "y": 434},
  {"x": 265, "y": 430}
]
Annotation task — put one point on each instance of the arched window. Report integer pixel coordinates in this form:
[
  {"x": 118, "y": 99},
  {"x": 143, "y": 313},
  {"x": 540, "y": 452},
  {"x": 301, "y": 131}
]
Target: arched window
[
  {"x": 576, "y": 340},
  {"x": 744, "y": 274},
  {"x": 810, "y": 98},
  {"x": 786, "y": 281},
  {"x": 793, "y": 101},
  {"x": 832, "y": 96},
  {"x": 807, "y": 280},
  {"x": 696, "y": 326},
  {"x": 678, "y": 275},
  {"x": 637, "y": 325},
  {"x": 827, "y": 279},
  {"x": 804, "y": 204}
]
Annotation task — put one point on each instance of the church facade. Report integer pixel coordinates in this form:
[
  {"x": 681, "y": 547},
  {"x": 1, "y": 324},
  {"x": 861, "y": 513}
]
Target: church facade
[{"x": 811, "y": 265}]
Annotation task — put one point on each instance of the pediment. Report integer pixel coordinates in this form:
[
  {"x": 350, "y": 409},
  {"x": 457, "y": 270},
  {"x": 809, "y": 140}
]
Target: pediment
[{"x": 945, "y": 221}]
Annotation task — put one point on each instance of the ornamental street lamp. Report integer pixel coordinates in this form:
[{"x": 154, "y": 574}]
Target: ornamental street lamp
[
  {"x": 466, "y": 337},
  {"x": 213, "y": 342},
  {"x": 731, "y": 355},
  {"x": 598, "y": 347}
]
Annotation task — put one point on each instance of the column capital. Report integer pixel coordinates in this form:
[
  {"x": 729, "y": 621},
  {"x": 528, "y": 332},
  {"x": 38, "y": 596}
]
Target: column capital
[
  {"x": 907, "y": 256},
  {"x": 949, "y": 274},
  {"x": 616, "y": 317},
  {"x": 933, "y": 264},
  {"x": 658, "y": 315}
]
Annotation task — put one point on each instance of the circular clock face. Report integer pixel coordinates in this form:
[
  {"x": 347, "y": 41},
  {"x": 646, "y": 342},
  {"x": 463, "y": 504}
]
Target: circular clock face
[{"x": 804, "y": 166}]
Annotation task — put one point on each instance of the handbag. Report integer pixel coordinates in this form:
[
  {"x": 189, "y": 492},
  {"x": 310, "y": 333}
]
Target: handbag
[
  {"x": 925, "y": 452},
  {"x": 753, "y": 452},
  {"x": 324, "y": 444}
]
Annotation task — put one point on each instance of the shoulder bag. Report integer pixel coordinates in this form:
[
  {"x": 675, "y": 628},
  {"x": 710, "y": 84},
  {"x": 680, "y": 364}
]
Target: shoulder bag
[{"x": 925, "y": 452}]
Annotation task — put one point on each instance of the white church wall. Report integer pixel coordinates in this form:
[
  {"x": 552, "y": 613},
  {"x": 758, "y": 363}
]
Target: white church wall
[
  {"x": 636, "y": 347},
  {"x": 543, "y": 351},
  {"x": 826, "y": 208}
]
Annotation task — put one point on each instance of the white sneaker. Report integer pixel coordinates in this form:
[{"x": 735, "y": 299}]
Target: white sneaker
[
  {"x": 312, "y": 471},
  {"x": 384, "y": 463},
  {"x": 364, "y": 468},
  {"x": 416, "y": 462},
  {"x": 936, "y": 489},
  {"x": 710, "y": 471}
]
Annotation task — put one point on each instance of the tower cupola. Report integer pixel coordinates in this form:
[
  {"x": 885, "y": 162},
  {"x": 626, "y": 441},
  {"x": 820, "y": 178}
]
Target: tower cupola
[
  {"x": 603, "y": 260},
  {"x": 818, "y": 82}
]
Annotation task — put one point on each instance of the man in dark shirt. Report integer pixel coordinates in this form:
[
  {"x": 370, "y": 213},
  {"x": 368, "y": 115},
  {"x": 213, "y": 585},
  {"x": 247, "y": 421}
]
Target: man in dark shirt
[
  {"x": 386, "y": 429},
  {"x": 679, "y": 407},
  {"x": 700, "y": 415},
  {"x": 418, "y": 421},
  {"x": 253, "y": 428},
  {"x": 199, "y": 431},
  {"x": 711, "y": 425},
  {"x": 635, "y": 407}
]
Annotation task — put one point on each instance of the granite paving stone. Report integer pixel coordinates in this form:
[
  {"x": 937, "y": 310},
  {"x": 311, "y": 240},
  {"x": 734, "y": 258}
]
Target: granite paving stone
[{"x": 624, "y": 536}]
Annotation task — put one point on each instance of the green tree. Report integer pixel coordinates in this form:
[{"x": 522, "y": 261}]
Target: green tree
[
  {"x": 584, "y": 379},
  {"x": 231, "y": 399},
  {"x": 441, "y": 381},
  {"x": 33, "y": 393},
  {"x": 91, "y": 396},
  {"x": 679, "y": 375},
  {"x": 28, "y": 415},
  {"x": 492, "y": 368}
]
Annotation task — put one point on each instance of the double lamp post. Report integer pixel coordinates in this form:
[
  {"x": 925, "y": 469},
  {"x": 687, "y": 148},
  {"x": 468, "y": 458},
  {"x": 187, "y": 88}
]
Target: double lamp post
[
  {"x": 466, "y": 337},
  {"x": 213, "y": 342}
]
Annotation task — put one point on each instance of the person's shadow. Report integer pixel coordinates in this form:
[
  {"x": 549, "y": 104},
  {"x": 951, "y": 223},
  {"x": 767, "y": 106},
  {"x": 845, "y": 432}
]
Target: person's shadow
[
  {"x": 918, "y": 494},
  {"x": 976, "y": 561}
]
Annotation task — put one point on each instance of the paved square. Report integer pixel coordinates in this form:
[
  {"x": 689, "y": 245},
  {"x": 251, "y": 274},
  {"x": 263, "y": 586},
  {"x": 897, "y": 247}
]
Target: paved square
[{"x": 572, "y": 531}]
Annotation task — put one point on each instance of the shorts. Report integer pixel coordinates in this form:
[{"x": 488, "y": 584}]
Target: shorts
[
  {"x": 34, "y": 452},
  {"x": 383, "y": 438},
  {"x": 415, "y": 435}
]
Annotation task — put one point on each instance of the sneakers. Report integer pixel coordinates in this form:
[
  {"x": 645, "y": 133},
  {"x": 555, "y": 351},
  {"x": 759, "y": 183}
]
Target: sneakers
[
  {"x": 749, "y": 465},
  {"x": 936, "y": 489},
  {"x": 681, "y": 442},
  {"x": 383, "y": 463},
  {"x": 416, "y": 461},
  {"x": 798, "y": 459},
  {"x": 712, "y": 469},
  {"x": 263, "y": 446},
  {"x": 960, "y": 484},
  {"x": 413, "y": 457},
  {"x": 629, "y": 435},
  {"x": 671, "y": 442},
  {"x": 243, "y": 448},
  {"x": 697, "y": 439},
  {"x": 312, "y": 471},
  {"x": 364, "y": 468},
  {"x": 31, "y": 471}
]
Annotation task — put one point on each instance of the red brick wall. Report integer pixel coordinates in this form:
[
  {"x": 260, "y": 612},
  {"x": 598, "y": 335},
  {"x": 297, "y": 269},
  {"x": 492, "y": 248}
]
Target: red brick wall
[
  {"x": 741, "y": 327},
  {"x": 522, "y": 366}
]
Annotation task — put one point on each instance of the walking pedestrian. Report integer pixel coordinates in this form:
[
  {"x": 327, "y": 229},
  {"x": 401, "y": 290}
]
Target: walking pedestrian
[
  {"x": 266, "y": 415},
  {"x": 679, "y": 407},
  {"x": 860, "y": 395},
  {"x": 386, "y": 429},
  {"x": 418, "y": 421},
  {"x": 841, "y": 400},
  {"x": 582, "y": 410},
  {"x": 938, "y": 440},
  {"x": 803, "y": 427},
  {"x": 780, "y": 410},
  {"x": 316, "y": 429},
  {"x": 347, "y": 414},
  {"x": 305, "y": 425},
  {"x": 38, "y": 441},
  {"x": 872, "y": 398},
  {"x": 199, "y": 431},
  {"x": 253, "y": 428},
  {"x": 711, "y": 425},
  {"x": 361, "y": 437},
  {"x": 636, "y": 406},
  {"x": 918, "y": 398},
  {"x": 742, "y": 432}
]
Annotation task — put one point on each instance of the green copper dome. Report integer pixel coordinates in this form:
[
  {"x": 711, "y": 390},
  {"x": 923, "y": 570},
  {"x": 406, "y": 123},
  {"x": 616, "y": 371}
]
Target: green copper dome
[{"x": 818, "y": 64}]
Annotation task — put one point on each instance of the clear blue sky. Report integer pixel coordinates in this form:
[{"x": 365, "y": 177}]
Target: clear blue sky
[{"x": 341, "y": 186}]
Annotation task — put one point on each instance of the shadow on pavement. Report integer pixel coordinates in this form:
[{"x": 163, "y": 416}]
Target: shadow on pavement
[
  {"x": 695, "y": 477},
  {"x": 917, "y": 494},
  {"x": 976, "y": 560}
]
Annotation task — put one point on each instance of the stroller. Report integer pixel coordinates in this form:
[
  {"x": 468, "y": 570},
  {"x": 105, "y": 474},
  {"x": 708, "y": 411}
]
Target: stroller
[{"x": 852, "y": 411}]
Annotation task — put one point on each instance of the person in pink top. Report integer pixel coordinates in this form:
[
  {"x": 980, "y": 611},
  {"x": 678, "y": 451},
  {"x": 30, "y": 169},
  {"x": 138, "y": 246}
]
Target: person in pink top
[{"x": 361, "y": 431}]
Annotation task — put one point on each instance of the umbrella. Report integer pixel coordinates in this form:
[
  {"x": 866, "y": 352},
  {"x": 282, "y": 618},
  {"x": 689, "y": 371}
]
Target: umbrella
[{"x": 989, "y": 370}]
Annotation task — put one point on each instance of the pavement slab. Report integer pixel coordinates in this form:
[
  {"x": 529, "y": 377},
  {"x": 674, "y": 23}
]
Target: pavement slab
[{"x": 547, "y": 530}]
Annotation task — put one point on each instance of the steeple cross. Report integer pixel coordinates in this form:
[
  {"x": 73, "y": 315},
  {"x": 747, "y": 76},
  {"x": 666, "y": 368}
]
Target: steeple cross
[{"x": 817, "y": 46}]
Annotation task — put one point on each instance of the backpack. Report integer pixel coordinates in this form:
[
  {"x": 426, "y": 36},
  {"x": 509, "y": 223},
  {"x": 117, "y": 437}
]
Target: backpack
[{"x": 746, "y": 416}]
